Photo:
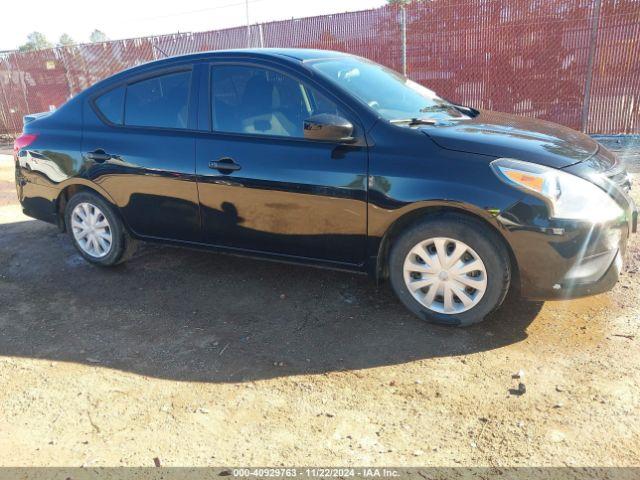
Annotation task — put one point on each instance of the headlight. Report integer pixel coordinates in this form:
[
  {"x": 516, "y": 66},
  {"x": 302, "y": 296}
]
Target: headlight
[{"x": 568, "y": 196}]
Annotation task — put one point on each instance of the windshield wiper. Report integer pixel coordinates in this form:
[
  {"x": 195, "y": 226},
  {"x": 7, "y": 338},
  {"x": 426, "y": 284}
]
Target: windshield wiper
[
  {"x": 413, "y": 121},
  {"x": 436, "y": 108},
  {"x": 471, "y": 112}
]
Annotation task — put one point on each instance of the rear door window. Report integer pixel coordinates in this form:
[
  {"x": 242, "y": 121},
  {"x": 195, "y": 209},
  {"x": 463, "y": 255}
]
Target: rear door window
[{"x": 161, "y": 101}]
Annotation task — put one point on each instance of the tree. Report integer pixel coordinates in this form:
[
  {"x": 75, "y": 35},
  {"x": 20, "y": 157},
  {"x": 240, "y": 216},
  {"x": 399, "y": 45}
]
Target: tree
[
  {"x": 65, "y": 40},
  {"x": 98, "y": 36},
  {"x": 35, "y": 41}
]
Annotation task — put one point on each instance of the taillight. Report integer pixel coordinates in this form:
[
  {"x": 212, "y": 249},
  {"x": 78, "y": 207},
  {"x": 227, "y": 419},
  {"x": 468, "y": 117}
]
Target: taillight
[{"x": 24, "y": 140}]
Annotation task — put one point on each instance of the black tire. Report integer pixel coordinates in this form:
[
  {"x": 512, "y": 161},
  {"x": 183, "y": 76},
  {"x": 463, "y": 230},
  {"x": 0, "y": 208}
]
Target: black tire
[
  {"x": 486, "y": 243},
  {"x": 122, "y": 245}
]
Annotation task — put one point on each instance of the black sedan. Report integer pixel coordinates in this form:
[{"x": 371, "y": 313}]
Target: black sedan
[{"x": 328, "y": 159}]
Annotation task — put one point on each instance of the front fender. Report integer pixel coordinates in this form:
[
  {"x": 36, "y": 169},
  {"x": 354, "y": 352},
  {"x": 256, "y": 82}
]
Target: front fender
[{"x": 417, "y": 178}]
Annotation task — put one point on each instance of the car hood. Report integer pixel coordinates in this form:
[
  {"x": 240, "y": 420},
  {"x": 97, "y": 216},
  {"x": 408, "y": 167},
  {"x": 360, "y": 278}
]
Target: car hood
[{"x": 504, "y": 135}]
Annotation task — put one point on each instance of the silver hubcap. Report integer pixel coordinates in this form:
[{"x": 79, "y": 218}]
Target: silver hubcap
[
  {"x": 91, "y": 230},
  {"x": 445, "y": 275}
]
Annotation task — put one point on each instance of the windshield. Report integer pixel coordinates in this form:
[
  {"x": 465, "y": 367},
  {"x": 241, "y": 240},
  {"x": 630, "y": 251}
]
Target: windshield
[{"x": 394, "y": 97}]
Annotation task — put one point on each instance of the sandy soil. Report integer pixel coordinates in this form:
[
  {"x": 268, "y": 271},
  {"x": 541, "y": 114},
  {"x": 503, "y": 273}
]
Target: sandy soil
[{"x": 203, "y": 359}]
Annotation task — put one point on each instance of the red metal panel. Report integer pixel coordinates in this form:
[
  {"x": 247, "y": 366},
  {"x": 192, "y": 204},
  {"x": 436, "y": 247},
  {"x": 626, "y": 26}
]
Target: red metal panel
[
  {"x": 615, "y": 94},
  {"x": 528, "y": 57},
  {"x": 520, "y": 56}
]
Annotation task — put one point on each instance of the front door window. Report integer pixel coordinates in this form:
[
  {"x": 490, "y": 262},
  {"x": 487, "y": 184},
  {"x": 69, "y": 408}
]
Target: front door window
[{"x": 257, "y": 101}]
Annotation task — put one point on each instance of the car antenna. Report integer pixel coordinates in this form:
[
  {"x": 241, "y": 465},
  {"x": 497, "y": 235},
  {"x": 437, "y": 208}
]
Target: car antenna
[{"x": 161, "y": 51}]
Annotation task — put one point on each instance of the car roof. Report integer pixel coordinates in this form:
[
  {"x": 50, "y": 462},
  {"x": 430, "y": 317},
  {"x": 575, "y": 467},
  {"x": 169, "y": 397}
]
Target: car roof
[
  {"x": 287, "y": 54},
  {"x": 296, "y": 54},
  {"x": 302, "y": 54}
]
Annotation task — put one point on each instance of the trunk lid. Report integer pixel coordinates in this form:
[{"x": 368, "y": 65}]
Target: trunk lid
[{"x": 34, "y": 116}]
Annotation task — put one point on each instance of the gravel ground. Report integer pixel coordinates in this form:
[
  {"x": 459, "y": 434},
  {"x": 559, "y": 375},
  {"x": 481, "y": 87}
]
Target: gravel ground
[
  {"x": 202, "y": 359},
  {"x": 6, "y": 148}
]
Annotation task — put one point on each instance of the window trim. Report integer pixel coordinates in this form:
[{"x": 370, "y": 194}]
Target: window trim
[
  {"x": 351, "y": 115},
  {"x": 99, "y": 111},
  {"x": 140, "y": 78}
]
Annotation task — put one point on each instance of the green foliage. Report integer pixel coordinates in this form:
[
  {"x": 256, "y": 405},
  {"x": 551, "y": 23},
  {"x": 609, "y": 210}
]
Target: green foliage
[
  {"x": 98, "y": 36},
  {"x": 35, "y": 41},
  {"x": 65, "y": 40}
]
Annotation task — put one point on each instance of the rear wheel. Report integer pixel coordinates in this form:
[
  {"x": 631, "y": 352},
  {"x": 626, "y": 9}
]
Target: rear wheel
[
  {"x": 96, "y": 230},
  {"x": 450, "y": 269}
]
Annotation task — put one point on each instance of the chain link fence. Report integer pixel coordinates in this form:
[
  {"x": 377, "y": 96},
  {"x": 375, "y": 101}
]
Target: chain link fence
[{"x": 575, "y": 62}]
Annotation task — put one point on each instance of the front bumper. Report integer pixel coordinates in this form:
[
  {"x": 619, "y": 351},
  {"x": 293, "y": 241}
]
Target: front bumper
[{"x": 566, "y": 259}]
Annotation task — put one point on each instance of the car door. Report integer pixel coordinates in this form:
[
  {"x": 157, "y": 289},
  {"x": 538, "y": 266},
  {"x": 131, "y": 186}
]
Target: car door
[
  {"x": 262, "y": 186},
  {"x": 138, "y": 144}
]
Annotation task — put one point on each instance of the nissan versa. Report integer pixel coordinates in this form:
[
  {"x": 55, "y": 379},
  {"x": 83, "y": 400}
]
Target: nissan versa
[{"x": 324, "y": 158}]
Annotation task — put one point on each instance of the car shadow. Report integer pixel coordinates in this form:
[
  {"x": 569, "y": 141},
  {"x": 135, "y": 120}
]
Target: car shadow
[{"x": 196, "y": 316}]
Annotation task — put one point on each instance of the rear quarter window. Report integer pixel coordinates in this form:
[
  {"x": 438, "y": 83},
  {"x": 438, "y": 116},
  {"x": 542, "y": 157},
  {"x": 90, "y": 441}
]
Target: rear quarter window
[{"x": 111, "y": 105}]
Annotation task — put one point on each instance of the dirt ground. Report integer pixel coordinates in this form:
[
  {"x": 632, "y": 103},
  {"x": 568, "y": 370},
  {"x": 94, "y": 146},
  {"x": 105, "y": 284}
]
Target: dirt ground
[{"x": 204, "y": 359}]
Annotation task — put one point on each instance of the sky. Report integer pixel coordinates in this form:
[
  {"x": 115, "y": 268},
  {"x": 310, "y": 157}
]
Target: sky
[{"x": 130, "y": 18}]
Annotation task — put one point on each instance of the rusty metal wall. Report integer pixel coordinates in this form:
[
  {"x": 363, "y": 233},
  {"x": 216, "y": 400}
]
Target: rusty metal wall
[{"x": 575, "y": 62}]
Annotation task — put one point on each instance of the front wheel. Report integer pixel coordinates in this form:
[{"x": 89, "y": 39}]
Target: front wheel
[{"x": 450, "y": 269}]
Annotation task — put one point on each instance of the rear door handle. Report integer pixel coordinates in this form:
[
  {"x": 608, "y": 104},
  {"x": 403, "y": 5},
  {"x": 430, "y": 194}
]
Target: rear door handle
[
  {"x": 224, "y": 165},
  {"x": 98, "y": 155}
]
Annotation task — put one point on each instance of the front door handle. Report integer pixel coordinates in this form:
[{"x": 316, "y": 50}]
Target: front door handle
[
  {"x": 98, "y": 155},
  {"x": 224, "y": 165}
]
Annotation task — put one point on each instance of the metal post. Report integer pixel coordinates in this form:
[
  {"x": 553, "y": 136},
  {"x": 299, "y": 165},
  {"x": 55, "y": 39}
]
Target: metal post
[
  {"x": 595, "y": 24},
  {"x": 261, "y": 35},
  {"x": 8, "y": 106},
  {"x": 23, "y": 82},
  {"x": 63, "y": 54},
  {"x": 246, "y": 6},
  {"x": 403, "y": 29}
]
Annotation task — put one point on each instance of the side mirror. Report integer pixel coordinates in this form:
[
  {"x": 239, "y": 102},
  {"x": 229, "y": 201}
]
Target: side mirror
[{"x": 328, "y": 128}]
